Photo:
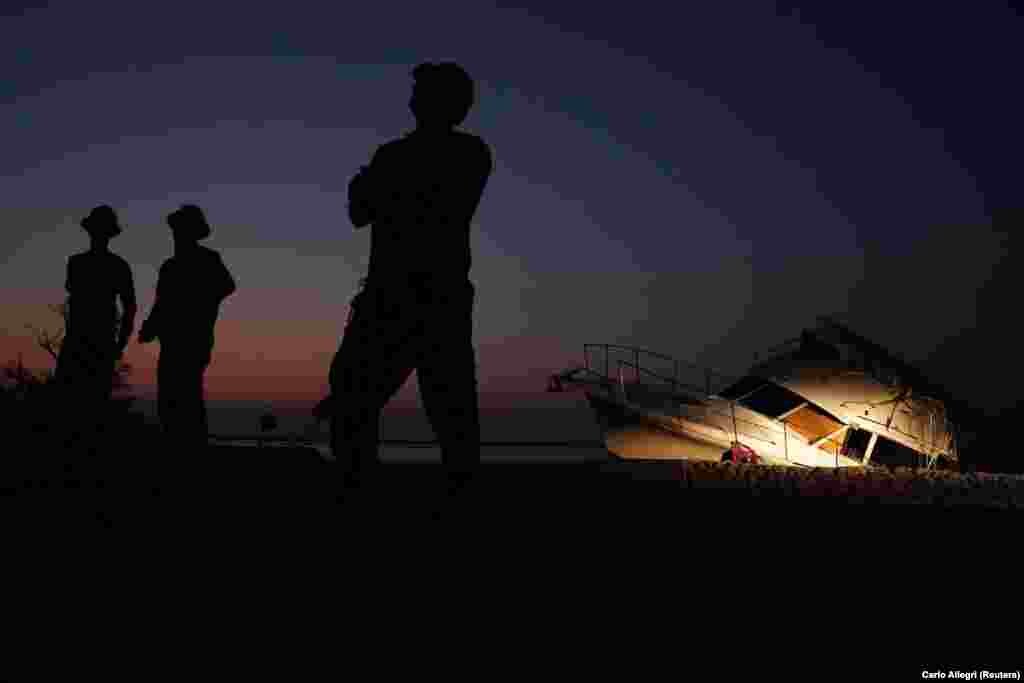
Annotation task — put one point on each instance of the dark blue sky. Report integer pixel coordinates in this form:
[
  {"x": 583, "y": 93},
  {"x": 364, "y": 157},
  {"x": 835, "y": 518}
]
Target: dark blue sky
[{"x": 702, "y": 181}]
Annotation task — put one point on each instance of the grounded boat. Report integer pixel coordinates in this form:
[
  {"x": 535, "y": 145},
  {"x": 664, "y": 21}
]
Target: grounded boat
[{"x": 829, "y": 398}]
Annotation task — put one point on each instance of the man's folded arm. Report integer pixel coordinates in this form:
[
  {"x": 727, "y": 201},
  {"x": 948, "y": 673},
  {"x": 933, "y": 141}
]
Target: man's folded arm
[
  {"x": 362, "y": 195},
  {"x": 468, "y": 197}
]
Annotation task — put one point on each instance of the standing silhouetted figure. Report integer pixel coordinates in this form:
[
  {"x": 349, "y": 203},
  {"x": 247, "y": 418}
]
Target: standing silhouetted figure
[
  {"x": 189, "y": 290},
  {"x": 93, "y": 342},
  {"x": 420, "y": 193}
]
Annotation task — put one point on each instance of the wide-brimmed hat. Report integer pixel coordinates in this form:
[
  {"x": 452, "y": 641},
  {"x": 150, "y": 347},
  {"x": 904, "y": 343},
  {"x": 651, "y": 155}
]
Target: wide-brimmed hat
[
  {"x": 101, "y": 222},
  {"x": 189, "y": 221}
]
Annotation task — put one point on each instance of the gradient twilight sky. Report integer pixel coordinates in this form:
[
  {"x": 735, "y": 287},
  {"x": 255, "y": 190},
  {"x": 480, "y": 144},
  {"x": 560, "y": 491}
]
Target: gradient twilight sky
[{"x": 700, "y": 181}]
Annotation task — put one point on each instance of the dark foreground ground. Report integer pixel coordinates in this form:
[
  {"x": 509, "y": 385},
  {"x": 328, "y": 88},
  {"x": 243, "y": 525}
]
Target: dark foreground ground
[
  {"x": 548, "y": 541},
  {"x": 235, "y": 491},
  {"x": 627, "y": 558}
]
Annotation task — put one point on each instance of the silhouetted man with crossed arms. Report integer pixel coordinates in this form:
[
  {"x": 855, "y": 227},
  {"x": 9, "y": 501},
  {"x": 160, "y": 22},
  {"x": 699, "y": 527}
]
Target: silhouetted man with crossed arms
[{"x": 419, "y": 193}]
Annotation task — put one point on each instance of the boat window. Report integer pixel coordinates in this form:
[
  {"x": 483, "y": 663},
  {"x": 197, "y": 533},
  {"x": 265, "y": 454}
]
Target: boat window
[
  {"x": 814, "y": 424},
  {"x": 856, "y": 444},
  {"x": 772, "y": 400},
  {"x": 893, "y": 454},
  {"x": 742, "y": 387},
  {"x": 834, "y": 444}
]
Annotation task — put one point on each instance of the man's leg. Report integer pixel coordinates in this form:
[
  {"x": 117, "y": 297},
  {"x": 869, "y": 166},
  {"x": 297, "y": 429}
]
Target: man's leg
[
  {"x": 74, "y": 380},
  {"x": 374, "y": 360},
  {"x": 448, "y": 383},
  {"x": 196, "y": 405},
  {"x": 103, "y": 418},
  {"x": 180, "y": 402},
  {"x": 166, "y": 399}
]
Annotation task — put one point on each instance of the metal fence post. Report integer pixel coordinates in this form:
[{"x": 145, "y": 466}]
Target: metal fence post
[
  {"x": 735, "y": 430},
  {"x": 785, "y": 441}
]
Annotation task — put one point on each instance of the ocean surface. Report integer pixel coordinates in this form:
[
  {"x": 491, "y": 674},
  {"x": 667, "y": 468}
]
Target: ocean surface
[{"x": 559, "y": 418}]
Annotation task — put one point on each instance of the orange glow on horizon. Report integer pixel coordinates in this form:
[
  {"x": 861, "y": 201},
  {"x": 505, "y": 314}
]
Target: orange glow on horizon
[{"x": 267, "y": 360}]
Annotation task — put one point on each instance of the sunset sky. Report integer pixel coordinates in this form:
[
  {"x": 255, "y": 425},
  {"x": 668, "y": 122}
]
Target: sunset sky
[{"x": 702, "y": 181}]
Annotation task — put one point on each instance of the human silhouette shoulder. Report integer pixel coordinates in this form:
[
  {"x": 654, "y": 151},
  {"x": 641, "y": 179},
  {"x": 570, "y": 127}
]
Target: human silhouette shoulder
[
  {"x": 191, "y": 284},
  {"x": 420, "y": 193},
  {"x": 97, "y": 278},
  {"x": 428, "y": 178},
  {"x": 196, "y": 275},
  {"x": 199, "y": 271},
  {"x": 99, "y": 275}
]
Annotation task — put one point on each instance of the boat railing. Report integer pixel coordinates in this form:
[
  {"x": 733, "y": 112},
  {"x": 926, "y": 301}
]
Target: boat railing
[
  {"x": 602, "y": 360},
  {"x": 639, "y": 372},
  {"x": 774, "y": 434},
  {"x": 771, "y": 431},
  {"x": 626, "y": 369}
]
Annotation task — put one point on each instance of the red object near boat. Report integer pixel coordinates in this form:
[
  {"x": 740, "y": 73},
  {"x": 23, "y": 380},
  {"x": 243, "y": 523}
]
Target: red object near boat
[{"x": 741, "y": 454}]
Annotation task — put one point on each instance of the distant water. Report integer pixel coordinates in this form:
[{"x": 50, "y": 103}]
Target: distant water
[
  {"x": 548, "y": 418},
  {"x": 488, "y": 454}
]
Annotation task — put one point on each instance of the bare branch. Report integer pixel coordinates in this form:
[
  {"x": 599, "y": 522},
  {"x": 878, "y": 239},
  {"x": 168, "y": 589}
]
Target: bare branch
[
  {"x": 51, "y": 342},
  {"x": 46, "y": 341}
]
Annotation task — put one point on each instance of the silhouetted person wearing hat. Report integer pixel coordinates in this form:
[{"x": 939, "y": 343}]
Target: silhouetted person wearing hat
[
  {"x": 419, "y": 193},
  {"x": 93, "y": 342},
  {"x": 189, "y": 290}
]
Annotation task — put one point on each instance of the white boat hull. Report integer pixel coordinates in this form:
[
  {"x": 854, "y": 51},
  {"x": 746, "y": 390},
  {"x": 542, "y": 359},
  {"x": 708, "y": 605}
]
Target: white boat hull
[
  {"x": 636, "y": 432},
  {"x": 832, "y": 400}
]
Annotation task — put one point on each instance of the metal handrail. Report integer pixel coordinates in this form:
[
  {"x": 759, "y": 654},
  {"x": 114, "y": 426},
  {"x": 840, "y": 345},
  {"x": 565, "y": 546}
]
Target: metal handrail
[
  {"x": 637, "y": 351},
  {"x": 775, "y": 429},
  {"x": 709, "y": 410},
  {"x": 706, "y": 391},
  {"x": 729, "y": 416},
  {"x": 932, "y": 446},
  {"x": 674, "y": 382}
]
